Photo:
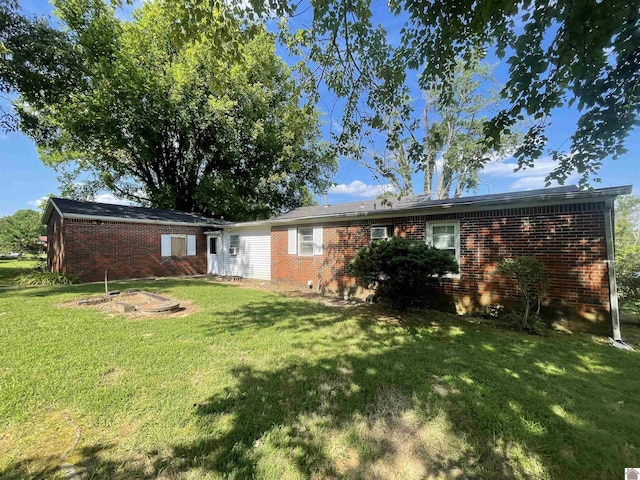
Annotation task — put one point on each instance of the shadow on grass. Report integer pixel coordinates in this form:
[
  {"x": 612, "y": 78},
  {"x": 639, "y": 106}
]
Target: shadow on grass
[
  {"x": 525, "y": 406},
  {"x": 499, "y": 404}
]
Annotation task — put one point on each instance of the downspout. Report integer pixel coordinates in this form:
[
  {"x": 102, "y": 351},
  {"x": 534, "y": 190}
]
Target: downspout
[{"x": 611, "y": 269}]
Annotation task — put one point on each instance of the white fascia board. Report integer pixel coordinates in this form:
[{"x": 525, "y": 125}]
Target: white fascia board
[
  {"x": 248, "y": 225},
  {"x": 47, "y": 211},
  {"x": 78, "y": 216}
]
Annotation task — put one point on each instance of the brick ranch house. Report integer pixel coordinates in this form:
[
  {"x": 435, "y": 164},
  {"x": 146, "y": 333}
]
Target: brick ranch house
[{"x": 568, "y": 229}]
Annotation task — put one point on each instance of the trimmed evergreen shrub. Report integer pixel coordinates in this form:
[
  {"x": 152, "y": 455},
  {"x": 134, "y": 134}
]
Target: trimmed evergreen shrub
[{"x": 401, "y": 270}]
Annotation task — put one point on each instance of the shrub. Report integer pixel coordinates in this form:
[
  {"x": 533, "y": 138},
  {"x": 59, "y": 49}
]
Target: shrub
[
  {"x": 35, "y": 278},
  {"x": 628, "y": 274},
  {"x": 531, "y": 277},
  {"x": 400, "y": 270}
]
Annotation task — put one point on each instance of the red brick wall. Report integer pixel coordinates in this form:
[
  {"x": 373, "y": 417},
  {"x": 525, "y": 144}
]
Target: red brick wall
[
  {"x": 569, "y": 239},
  {"x": 124, "y": 250}
]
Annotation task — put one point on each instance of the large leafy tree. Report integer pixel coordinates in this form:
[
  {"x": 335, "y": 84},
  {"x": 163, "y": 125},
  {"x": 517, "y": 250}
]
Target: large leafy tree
[
  {"x": 35, "y": 59},
  {"x": 563, "y": 53},
  {"x": 447, "y": 142},
  {"x": 179, "y": 124},
  {"x": 19, "y": 232}
]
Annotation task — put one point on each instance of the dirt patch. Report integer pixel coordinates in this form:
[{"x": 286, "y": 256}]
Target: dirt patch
[
  {"x": 133, "y": 305},
  {"x": 289, "y": 290}
]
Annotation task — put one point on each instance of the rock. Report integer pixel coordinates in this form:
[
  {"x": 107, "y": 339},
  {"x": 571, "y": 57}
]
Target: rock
[{"x": 123, "y": 307}]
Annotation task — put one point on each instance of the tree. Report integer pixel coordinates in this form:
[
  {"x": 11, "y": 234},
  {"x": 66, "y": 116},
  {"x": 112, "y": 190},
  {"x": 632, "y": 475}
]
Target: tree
[
  {"x": 35, "y": 59},
  {"x": 531, "y": 277},
  {"x": 448, "y": 143},
  {"x": 559, "y": 54},
  {"x": 401, "y": 270},
  {"x": 627, "y": 235},
  {"x": 175, "y": 124},
  {"x": 19, "y": 232}
]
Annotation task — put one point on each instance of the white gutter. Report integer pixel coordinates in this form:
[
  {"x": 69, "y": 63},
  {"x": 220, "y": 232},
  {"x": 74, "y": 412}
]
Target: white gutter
[
  {"x": 611, "y": 269},
  {"x": 78, "y": 216}
]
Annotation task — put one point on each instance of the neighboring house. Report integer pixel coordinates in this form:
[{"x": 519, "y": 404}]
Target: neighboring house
[
  {"x": 42, "y": 241},
  {"x": 569, "y": 230}
]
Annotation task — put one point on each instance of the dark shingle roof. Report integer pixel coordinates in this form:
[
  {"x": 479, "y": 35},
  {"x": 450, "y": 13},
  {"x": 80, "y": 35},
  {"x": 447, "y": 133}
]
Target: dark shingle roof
[
  {"x": 81, "y": 209},
  {"x": 423, "y": 202}
]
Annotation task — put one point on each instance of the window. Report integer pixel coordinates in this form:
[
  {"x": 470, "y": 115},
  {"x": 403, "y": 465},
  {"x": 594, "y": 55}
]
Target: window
[
  {"x": 305, "y": 241},
  {"x": 381, "y": 232},
  {"x": 176, "y": 245},
  {"x": 445, "y": 236},
  {"x": 213, "y": 245},
  {"x": 234, "y": 244}
]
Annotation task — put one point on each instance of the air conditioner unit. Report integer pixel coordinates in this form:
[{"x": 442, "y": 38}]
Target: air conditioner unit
[{"x": 233, "y": 251}]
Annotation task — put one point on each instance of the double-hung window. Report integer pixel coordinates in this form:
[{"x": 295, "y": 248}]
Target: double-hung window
[
  {"x": 305, "y": 241},
  {"x": 234, "y": 245},
  {"x": 445, "y": 235}
]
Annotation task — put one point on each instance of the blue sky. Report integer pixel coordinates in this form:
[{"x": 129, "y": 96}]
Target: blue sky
[{"x": 24, "y": 180}]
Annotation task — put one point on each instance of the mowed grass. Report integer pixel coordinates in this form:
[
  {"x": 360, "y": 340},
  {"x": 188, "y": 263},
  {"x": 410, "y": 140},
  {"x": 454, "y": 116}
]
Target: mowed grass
[
  {"x": 9, "y": 269},
  {"x": 256, "y": 385}
]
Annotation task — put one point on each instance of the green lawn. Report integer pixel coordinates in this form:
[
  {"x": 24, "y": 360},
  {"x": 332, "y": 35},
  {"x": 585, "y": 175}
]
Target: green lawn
[
  {"x": 256, "y": 385},
  {"x": 9, "y": 269}
]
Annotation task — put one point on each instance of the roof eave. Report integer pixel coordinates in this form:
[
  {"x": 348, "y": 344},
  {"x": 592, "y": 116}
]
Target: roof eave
[
  {"x": 79, "y": 216},
  {"x": 562, "y": 197}
]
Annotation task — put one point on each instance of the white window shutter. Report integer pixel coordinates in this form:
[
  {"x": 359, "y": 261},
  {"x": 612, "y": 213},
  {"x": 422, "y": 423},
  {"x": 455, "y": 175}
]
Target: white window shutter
[
  {"x": 191, "y": 244},
  {"x": 317, "y": 241},
  {"x": 165, "y": 245},
  {"x": 292, "y": 245}
]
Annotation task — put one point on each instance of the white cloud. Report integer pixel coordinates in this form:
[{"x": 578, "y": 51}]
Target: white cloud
[
  {"x": 38, "y": 202},
  {"x": 526, "y": 179},
  {"x": 360, "y": 189}
]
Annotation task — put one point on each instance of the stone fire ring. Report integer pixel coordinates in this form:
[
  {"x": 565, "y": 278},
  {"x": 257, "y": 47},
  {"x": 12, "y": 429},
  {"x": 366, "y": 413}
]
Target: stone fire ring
[{"x": 161, "y": 307}]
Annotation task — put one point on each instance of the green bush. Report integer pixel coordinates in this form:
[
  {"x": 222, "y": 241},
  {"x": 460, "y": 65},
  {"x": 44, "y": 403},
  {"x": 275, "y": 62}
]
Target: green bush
[
  {"x": 36, "y": 278},
  {"x": 401, "y": 270},
  {"x": 628, "y": 274},
  {"x": 531, "y": 277}
]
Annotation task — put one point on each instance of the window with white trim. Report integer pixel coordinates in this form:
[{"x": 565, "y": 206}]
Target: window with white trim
[
  {"x": 381, "y": 232},
  {"x": 305, "y": 241},
  {"x": 445, "y": 235},
  {"x": 177, "y": 245},
  {"x": 234, "y": 244}
]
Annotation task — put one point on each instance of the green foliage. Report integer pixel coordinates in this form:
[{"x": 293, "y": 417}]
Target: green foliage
[
  {"x": 40, "y": 278},
  {"x": 558, "y": 53},
  {"x": 19, "y": 232},
  {"x": 627, "y": 235},
  {"x": 531, "y": 277},
  {"x": 35, "y": 59},
  {"x": 446, "y": 141},
  {"x": 175, "y": 123},
  {"x": 401, "y": 270}
]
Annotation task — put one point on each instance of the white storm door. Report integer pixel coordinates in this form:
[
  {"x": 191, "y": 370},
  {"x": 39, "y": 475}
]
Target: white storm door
[{"x": 214, "y": 251}]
